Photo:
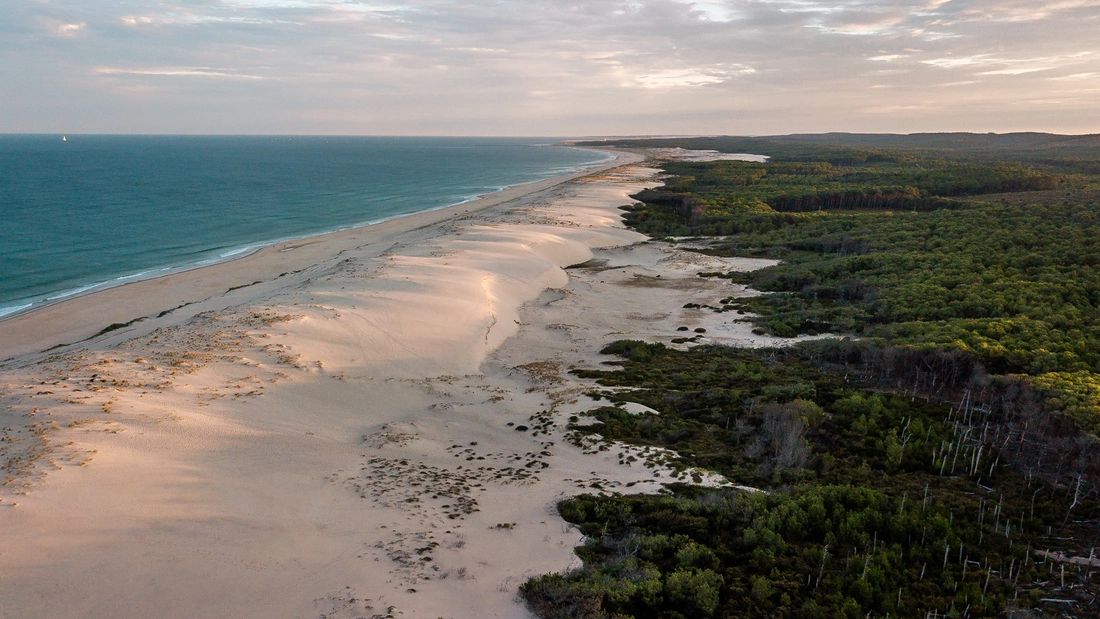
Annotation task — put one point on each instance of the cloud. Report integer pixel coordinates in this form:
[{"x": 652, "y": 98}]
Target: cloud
[
  {"x": 1078, "y": 76},
  {"x": 540, "y": 66},
  {"x": 1026, "y": 10},
  {"x": 895, "y": 109},
  {"x": 1016, "y": 71},
  {"x": 678, "y": 77},
  {"x": 882, "y": 26},
  {"x": 134, "y": 20},
  {"x": 179, "y": 72},
  {"x": 953, "y": 63},
  {"x": 60, "y": 28},
  {"x": 713, "y": 11},
  {"x": 1012, "y": 66},
  {"x": 672, "y": 78},
  {"x": 70, "y": 29}
]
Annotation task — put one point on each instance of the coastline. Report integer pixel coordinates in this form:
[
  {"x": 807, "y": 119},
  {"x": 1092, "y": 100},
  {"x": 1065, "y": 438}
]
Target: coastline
[
  {"x": 237, "y": 252},
  {"x": 380, "y": 432},
  {"x": 20, "y": 331}
]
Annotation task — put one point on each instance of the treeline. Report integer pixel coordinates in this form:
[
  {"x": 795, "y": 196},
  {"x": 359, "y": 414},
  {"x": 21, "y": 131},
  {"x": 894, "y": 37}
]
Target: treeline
[
  {"x": 1017, "y": 286},
  {"x": 732, "y": 197},
  {"x": 893, "y": 199},
  {"x": 1068, "y": 153},
  {"x": 1013, "y": 416},
  {"x": 872, "y": 503},
  {"x": 1013, "y": 288},
  {"x": 944, "y": 463}
]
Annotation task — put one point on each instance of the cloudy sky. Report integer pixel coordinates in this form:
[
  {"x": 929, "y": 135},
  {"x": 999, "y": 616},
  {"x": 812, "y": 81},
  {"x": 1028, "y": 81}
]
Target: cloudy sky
[{"x": 530, "y": 67}]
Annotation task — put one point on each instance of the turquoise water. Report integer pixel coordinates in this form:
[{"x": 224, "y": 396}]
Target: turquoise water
[{"x": 95, "y": 211}]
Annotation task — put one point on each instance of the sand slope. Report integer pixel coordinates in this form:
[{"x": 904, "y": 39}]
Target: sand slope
[{"x": 376, "y": 428}]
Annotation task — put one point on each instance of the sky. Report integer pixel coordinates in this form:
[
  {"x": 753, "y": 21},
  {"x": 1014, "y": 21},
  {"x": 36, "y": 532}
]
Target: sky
[{"x": 548, "y": 68}]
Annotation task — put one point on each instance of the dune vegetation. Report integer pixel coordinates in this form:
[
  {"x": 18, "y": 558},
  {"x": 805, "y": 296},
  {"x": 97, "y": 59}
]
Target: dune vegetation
[{"x": 937, "y": 458}]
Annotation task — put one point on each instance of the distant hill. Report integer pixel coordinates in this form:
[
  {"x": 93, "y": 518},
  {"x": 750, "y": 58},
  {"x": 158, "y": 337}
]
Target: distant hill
[
  {"x": 950, "y": 141},
  {"x": 1075, "y": 151}
]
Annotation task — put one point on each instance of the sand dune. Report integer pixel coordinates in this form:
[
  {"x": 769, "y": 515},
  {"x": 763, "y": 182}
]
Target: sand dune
[{"x": 374, "y": 428}]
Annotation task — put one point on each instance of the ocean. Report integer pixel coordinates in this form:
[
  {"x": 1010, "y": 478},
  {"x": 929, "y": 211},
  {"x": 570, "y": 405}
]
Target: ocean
[{"x": 88, "y": 212}]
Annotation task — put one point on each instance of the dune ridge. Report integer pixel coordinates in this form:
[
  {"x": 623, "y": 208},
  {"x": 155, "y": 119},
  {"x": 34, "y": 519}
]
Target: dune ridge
[{"x": 379, "y": 432}]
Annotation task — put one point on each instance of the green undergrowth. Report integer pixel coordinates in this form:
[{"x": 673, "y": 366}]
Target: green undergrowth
[
  {"x": 976, "y": 252},
  {"x": 870, "y": 504},
  {"x": 922, "y": 469}
]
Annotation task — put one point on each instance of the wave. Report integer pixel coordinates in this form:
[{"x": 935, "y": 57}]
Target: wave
[
  {"x": 12, "y": 309},
  {"x": 240, "y": 250},
  {"x": 73, "y": 292},
  {"x": 394, "y": 195}
]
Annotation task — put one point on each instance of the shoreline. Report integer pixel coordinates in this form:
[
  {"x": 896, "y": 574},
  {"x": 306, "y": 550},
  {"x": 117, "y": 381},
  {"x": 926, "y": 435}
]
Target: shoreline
[
  {"x": 243, "y": 251},
  {"x": 381, "y": 432},
  {"x": 15, "y": 325}
]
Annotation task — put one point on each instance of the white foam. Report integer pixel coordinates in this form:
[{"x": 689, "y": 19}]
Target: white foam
[
  {"x": 131, "y": 276},
  {"x": 240, "y": 250},
  {"x": 75, "y": 291},
  {"x": 5, "y": 311}
]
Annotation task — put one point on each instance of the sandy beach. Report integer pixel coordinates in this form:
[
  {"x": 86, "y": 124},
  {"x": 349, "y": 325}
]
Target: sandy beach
[{"x": 369, "y": 423}]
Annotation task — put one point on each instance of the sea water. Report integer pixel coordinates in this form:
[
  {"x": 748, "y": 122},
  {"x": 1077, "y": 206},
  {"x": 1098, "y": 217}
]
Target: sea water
[{"x": 87, "y": 212}]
